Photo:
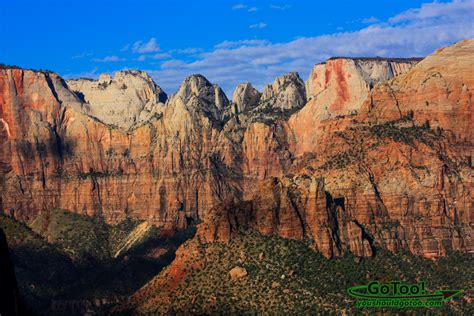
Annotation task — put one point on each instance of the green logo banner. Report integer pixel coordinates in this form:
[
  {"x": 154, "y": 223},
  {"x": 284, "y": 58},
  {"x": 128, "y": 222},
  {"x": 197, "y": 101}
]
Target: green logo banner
[{"x": 397, "y": 294}]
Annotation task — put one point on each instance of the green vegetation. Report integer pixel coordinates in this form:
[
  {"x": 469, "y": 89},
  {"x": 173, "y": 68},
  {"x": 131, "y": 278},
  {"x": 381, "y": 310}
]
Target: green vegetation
[
  {"x": 66, "y": 256},
  {"x": 103, "y": 85},
  {"x": 126, "y": 153},
  {"x": 268, "y": 114},
  {"x": 407, "y": 135},
  {"x": 118, "y": 233},
  {"x": 362, "y": 138},
  {"x": 42, "y": 270},
  {"x": 344, "y": 159},
  {"x": 18, "y": 233},
  {"x": 284, "y": 276},
  {"x": 99, "y": 174},
  {"x": 60, "y": 173},
  {"x": 78, "y": 235},
  {"x": 287, "y": 277},
  {"x": 390, "y": 224}
]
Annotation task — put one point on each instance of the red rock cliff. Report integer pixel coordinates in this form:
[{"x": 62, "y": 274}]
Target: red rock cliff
[{"x": 364, "y": 163}]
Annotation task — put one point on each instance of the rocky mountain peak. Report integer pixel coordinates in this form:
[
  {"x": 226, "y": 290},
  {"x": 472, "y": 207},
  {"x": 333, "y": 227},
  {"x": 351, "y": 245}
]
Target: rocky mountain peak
[
  {"x": 286, "y": 92},
  {"x": 104, "y": 78},
  {"x": 329, "y": 180},
  {"x": 220, "y": 98},
  {"x": 198, "y": 93},
  {"x": 341, "y": 84},
  {"x": 133, "y": 72},
  {"x": 128, "y": 99},
  {"x": 198, "y": 86},
  {"x": 245, "y": 97}
]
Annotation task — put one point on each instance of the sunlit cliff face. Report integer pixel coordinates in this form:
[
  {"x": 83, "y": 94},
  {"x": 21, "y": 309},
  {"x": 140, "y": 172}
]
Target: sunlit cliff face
[{"x": 366, "y": 152}]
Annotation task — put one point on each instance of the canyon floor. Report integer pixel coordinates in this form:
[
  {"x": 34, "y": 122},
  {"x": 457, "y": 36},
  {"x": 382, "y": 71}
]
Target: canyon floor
[{"x": 77, "y": 265}]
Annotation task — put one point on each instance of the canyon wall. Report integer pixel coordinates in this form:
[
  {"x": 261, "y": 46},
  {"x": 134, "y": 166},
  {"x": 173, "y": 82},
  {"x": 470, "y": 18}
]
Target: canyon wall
[
  {"x": 127, "y": 100},
  {"x": 368, "y": 153}
]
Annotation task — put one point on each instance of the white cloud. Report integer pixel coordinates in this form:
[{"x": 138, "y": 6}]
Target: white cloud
[
  {"x": 169, "y": 64},
  {"x": 239, "y": 6},
  {"x": 108, "y": 59},
  {"x": 261, "y": 61},
  {"x": 92, "y": 74},
  {"x": 82, "y": 55},
  {"x": 161, "y": 56},
  {"x": 241, "y": 43},
  {"x": 187, "y": 51},
  {"x": 148, "y": 47},
  {"x": 280, "y": 7},
  {"x": 415, "y": 32},
  {"x": 154, "y": 56},
  {"x": 259, "y": 25},
  {"x": 437, "y": 10},
  {"x": 242, "y": 6},
  {"x": 370, "y": 20}
]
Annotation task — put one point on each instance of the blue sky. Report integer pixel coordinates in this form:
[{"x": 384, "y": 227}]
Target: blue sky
[{"x": 227, "y": 41}]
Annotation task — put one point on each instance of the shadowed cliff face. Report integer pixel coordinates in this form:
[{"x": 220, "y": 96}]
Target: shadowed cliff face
[
  {"x": 9, "y": 296},
  {"x": 352, "y": 161}
]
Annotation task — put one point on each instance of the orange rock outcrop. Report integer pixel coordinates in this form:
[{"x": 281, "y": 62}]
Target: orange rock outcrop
[{"x": 353, "y": 161}]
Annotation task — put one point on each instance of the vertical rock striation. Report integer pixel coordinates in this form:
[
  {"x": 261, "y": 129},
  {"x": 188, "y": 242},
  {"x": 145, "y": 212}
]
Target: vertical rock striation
[
  {"x": 369, "y": 153},
  {"x": 286, "y": 93},
  {"x": 245, "y": 98}
]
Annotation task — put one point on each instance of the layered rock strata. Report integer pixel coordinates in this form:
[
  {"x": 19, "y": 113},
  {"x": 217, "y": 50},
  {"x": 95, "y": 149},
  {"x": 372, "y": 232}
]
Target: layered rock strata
[{"x": 353, "y": 160}]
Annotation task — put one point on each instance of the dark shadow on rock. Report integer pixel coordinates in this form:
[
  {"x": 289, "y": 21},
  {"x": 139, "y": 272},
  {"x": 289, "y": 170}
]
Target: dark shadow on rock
[{"x": 9, "y": 295}]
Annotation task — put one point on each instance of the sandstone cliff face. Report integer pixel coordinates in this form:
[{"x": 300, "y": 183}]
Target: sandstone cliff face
[
  {"x": 401, "y": 173},
  {"x": 439, "y": 93},
  {"x": 287, "y": 92},
  {"x": 245, "y": 98},
  {"x": 341, "y": 85},
  {"x": 338, "y": 88},
  {"x": 294, "y": 208},
  {"x": 381, "y": 178},
  {"x": 55, "y": 156},
  {"x": 198, "y": 94},
  {"x": 126, "y": 100},
  {"x": 396, "y": 174}
]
